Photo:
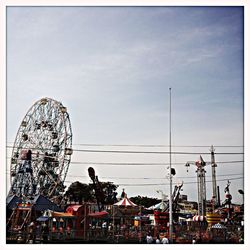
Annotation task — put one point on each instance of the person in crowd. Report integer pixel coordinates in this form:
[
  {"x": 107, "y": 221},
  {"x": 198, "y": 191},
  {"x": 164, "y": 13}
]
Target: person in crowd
[
  {"x": 165, "y": 240},
  {"x": 158, "y": 241},
  {"x": 31, "y": 234},
  {"x": 149, "y": 238},
  {"x": 38, "y": 231},
  {"x": 45, "y": 232}
]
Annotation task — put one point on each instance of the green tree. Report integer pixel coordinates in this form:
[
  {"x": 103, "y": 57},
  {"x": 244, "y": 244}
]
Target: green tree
[
  {"x": 106, "y": 192},
  {"x": 144, "y": 201},
  {"x": 81, "y": 192}
]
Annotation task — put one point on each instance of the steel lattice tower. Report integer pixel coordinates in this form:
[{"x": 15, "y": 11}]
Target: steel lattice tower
[{"x": 201, "y": 184}]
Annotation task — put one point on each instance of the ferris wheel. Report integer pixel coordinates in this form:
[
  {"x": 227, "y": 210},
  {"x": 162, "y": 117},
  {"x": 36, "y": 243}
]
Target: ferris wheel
[{"x": 42, "y": 151}]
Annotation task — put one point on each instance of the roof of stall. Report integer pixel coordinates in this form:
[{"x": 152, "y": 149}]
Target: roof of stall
[
  {"x": 125, "y": 202},
  {"x": 12, "y": 201},
  {"x": 74, "y": 208},
  {"x": 162, "y": 205},
  {"x": 49, "y": 213},
  {"x": 101, "y": 214},
  {"x": 39, "y": 203},
  {"x": 42, "y": 203}
]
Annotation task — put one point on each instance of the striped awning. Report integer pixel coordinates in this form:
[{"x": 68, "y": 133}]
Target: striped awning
[{"x": 199, "y": 218}]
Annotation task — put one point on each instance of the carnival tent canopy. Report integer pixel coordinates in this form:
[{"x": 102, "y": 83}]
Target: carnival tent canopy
[
  {"x": 42, "y": 203},
  {"x": 125, "y": 202},
  {"x": 160, "y": 206},
  {"x": 39, "y": 203},
  {"x": 12, "y": 201}
]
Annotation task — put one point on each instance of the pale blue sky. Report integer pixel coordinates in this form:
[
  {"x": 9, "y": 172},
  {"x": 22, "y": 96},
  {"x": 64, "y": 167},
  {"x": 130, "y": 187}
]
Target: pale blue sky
[{"x": 112, "y": 67}]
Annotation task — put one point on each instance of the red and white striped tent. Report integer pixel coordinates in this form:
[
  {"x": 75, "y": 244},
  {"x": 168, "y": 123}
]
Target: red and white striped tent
[{"x": 125, "y": 202}]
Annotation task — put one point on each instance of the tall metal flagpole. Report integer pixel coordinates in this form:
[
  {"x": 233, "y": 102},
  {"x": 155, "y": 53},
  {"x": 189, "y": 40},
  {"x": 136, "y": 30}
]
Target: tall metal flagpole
[{"x": 170, "y": 176}]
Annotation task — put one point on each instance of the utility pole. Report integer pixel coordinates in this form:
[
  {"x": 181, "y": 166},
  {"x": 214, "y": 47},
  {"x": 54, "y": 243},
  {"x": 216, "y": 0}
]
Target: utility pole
[
  {"x": 170, "y": 176},
  {"x": 214, "y": 165}
]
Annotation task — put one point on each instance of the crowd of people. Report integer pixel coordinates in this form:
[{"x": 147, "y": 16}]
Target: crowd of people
[{"x": 158, "y": 240}]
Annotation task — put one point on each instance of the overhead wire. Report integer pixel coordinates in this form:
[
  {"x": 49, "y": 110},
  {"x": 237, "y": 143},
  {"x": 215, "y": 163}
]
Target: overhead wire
[
  {"x": 166, "y": 183},
  {"x": 145, "y": 178},
  {"x": 136, "y": 163},
  {"x": 143, "y": 164},
  {"x": 143, "y": 152},
  {"x": 153, "y": 152},
  {"x": 155, "y": 145},
  {"x": 150, "y": 145}
]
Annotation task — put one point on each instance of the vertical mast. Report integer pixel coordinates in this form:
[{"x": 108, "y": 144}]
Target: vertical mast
[
  {"x": 204, "y": 198},
  {"x": 201, "y": 184},
  {"x": 170, "y": 175},
  {"x": 213, "y": 165},
  {"x": 199, "y": 191}
]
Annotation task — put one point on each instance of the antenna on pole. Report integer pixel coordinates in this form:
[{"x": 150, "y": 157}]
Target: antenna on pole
[{"x": 170, "y": 176}]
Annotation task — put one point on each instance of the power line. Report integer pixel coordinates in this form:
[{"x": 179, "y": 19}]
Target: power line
[
  {"x": 153, "y": 152},
  {"x": 144, "y": 152},
  {"x": 142, "y": 164},
  {"x": 159, "y": 145},
  {"x": 150, "y": 145},
  {"x": 139, "y": 152},
  {"x": 160, "y": 184},
  {"x": 166, "y": 183},
  {"x": 137, "y": 163},
  {"x": 144, "y": 178}
]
